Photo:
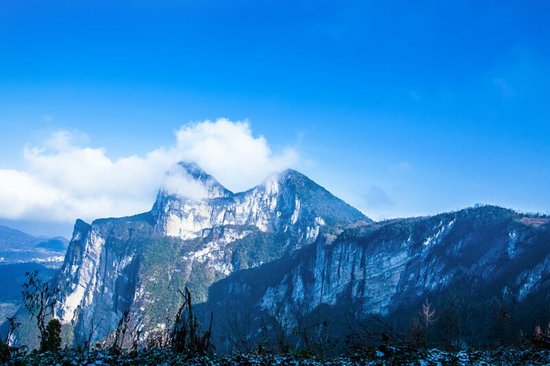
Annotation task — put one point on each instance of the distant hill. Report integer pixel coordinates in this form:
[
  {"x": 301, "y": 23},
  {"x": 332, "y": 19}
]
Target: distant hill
[
  {"x": 19, "y": 247},
  {"x": 11, "y": 238},
  {"x": 20, "y": 253}
]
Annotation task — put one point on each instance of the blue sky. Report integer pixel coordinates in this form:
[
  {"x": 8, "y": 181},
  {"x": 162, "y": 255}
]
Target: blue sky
[{"x": 401, "y": 108}]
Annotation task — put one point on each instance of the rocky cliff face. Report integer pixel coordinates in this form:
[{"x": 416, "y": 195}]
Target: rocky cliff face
[
  {"x": 137, "y": 264},
  {"x": 494, "y": 261},
  {"x": 286, "y": 256}
]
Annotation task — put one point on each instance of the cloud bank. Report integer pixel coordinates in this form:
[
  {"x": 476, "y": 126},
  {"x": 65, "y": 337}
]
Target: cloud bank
[{"x": 63, "y": 180}]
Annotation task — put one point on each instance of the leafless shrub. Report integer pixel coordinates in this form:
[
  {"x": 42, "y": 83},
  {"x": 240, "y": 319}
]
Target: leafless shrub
[
  {"x": 186, "y": 335},
  {"x": 39, "y": 300}
]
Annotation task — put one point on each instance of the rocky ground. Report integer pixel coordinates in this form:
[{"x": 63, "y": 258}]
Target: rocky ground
[{"x": 375, "y": 356}]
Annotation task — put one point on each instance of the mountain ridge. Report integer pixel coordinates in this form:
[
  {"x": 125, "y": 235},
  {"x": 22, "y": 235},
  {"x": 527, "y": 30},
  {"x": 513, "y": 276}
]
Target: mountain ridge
[
  {"x": 320, "y": 253},
  {"x": 137, "y": 263},
  {"x": 386, "y": 270}
]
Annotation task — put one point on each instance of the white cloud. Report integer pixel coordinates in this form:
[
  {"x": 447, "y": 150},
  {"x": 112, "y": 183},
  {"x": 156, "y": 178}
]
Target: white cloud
[
  {"x": 228, "y": 151},
  {"x": 64, "y": 180},
  {"x": 183, "y": 185}
]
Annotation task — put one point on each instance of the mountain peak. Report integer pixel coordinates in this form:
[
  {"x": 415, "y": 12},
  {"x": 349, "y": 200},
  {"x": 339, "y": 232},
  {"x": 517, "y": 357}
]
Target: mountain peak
[
  {"x": 193, "y": 170},
  {"x": 188, "y": 180},
  {"x": 285, "y": 177},
  {"x": 291, "y": 174},
  {"x": 293, "y": 186}
]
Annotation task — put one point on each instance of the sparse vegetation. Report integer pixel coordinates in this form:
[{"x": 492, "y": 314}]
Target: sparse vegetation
[
  {"x": 187, "y": 336},
  {"x": 39, "y": 300},
  {"x": 5, "y": 354},
  {"x": 428, "y": 317},
  {"x": 374, "y": 355},
  {"x": 120, "y": 334},
  {"x": 309, "y": 342},
  {"x": 51, "y": 341}
]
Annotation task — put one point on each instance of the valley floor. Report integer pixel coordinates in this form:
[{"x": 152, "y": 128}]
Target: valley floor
[{"x": 375, "y": 356}]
